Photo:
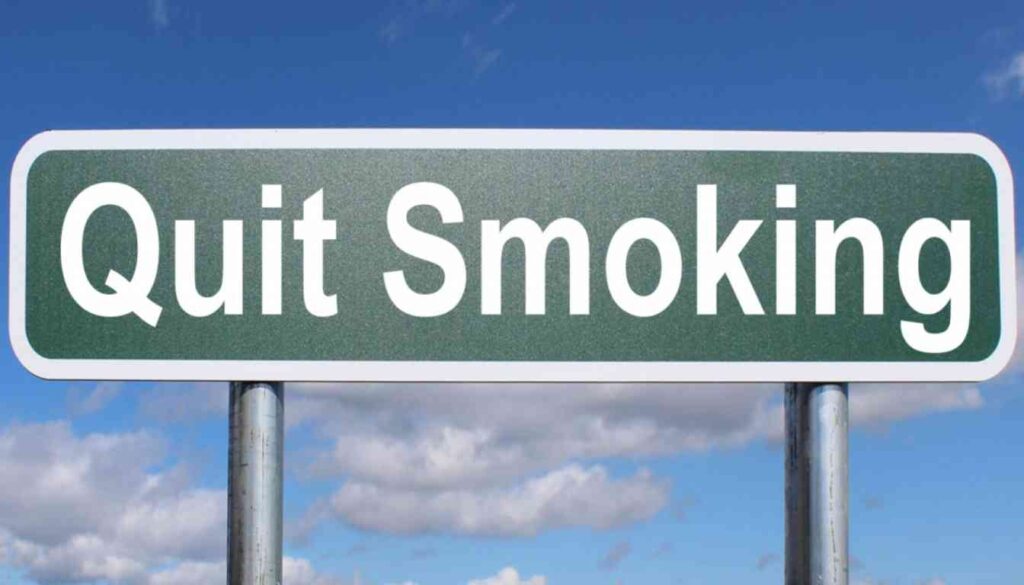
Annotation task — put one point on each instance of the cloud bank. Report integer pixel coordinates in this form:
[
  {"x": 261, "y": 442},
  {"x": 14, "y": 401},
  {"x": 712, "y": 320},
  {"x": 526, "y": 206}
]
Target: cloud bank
[{"x": 87, "y": 508}]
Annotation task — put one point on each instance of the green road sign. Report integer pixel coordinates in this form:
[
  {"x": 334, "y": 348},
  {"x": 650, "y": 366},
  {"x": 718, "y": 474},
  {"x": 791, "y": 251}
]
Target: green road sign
[{"x": 512, "y": 255}]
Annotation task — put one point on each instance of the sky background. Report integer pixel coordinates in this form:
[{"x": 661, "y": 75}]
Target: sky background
[{"x": 536, "y": 485}]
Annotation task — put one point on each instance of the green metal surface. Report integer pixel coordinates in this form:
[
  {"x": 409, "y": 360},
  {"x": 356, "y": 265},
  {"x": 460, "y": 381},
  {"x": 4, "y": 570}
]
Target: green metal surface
[{"x": 601, "y": 189}]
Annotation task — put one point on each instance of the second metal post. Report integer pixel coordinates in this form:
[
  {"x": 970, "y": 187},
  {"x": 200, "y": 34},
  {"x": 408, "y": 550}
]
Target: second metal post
[
  {"x": 817, "y": 484},
  {"x": 255, "y": 470}
]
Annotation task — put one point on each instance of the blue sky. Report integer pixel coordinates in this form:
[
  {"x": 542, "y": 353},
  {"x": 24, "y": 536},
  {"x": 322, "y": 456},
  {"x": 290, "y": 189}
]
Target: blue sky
[{"x": 123, "y": 484}]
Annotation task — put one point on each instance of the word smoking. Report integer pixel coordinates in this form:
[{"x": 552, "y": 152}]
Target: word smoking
[{"x": 718, "y": 262}]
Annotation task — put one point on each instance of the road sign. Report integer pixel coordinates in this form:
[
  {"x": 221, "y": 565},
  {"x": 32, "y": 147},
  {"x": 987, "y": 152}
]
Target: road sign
[{"x": 512, "y": 255}]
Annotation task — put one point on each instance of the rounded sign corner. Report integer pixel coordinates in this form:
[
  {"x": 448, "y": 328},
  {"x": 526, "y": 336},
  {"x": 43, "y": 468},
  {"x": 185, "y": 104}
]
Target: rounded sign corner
[
  {"x": 36, "y": 146},
  {"x": 988, "y": 150},
  {"x": 36, "y": 364},
  {"x": 995, "y": 364}
]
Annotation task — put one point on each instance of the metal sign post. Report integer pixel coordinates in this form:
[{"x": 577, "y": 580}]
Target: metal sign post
[
  {"x": 255, "y": 462},
  {"x": 817, "y": 484}
]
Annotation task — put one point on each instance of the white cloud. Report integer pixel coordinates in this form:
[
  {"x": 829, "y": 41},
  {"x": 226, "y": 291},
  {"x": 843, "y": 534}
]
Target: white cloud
[
  {"x": 423, "y": 13},
  {"x": 76, "y": 509},
  {"x": 873, "y": 405},
  {"x": 82, "y": 558},
  {"x": 158, "y": 14},
  {"x": 481, "y": 435},
  {"x": 443, "y": 456},
  {"x": 82, "y": 509},
  {"x": 190, "y": 573},
  {"x": 873, "y": 581},
  {"x": 296, "y": 571},
  {"x": 301, "y": 572},
  {"x": 178, "y": 402},
  {"x": 82, "y": 402},
  {"x": 615, "y": 555},
  {"x": 478, "y": 435},
  {"x": 572, "y": 496},
  {"x": 188, "y": 524},
  {"x": 482, "y": 57},
  {"x": 435, "y": 456},
  {"x": 510, "y": 576},
  {"x": 503, "y": 14},
  {"x": 1009, "y": 79},
  {"x": 53, "y": 483},
  {"x": 406, "y": 19}
]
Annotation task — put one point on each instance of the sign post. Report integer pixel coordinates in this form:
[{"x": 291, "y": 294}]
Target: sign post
[
  {"x": 817, "y": 484},
  {"x": 516, "y": 256},
  {"x": 255, "y": 472}
]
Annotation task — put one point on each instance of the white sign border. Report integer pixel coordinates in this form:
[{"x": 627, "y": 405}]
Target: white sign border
[{"x": 514, "y": 371}]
